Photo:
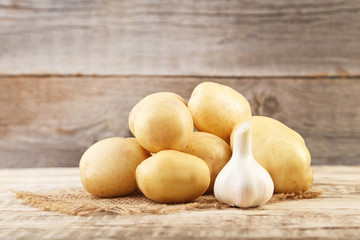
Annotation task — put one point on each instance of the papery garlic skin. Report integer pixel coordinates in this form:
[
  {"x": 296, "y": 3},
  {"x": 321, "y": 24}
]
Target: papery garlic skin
[{"x": 243, "y": 182}]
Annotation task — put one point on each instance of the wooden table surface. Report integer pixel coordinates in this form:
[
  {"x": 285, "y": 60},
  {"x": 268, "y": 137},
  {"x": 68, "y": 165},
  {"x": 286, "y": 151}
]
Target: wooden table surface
[{"x": 333, "y": 215}]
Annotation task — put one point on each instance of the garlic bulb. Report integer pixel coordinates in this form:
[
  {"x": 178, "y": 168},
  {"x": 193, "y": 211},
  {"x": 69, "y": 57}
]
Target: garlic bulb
[{"x": 243, "y": 182}]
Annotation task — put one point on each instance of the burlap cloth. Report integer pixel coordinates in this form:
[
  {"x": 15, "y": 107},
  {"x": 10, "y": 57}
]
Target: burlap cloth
[{"x": 79, "y": 202}]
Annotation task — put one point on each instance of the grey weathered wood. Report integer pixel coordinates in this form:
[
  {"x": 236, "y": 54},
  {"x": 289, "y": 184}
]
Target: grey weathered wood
[
  {"x": 333, "y": 215},
  {"x": 202, "y": 37},
  {"x": 50, "y": 121}
]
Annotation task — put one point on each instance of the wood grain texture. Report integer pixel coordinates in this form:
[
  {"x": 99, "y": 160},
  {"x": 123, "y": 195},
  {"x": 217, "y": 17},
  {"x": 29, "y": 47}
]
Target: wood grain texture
[
  {"x": 50, "y": 121},
  {"x": 334, "y": 215},
  {"x": 202, "y": 37}
]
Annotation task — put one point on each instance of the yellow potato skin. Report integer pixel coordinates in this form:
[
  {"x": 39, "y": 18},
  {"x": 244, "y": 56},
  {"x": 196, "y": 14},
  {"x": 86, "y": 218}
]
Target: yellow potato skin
[
  {"x": 173, "y": 177},
  {"x": 107, "y": 168},
  {"x": 212, "y": 149},
  {"x": 282, "y": 152},
  {"x": 142, "y": 103},
  {"x": 161, "y": 121},
  {"x": 217, "y": 108}
]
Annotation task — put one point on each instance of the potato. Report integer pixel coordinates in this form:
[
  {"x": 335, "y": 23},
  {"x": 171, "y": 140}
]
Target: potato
[
  {"x": 107, "y": 168},
  {"x": 173, "y": 177},
  {"x": 142, "y": 103},
  {"x": 212, "y": 149},
  {"x": 161, "y": 121},
  {"x": 282, "y": 152},
  {"x": 216, "y": 109}
]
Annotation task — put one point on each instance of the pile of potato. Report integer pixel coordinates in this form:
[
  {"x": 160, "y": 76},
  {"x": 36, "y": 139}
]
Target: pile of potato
[{"x": 171, "y": 163}]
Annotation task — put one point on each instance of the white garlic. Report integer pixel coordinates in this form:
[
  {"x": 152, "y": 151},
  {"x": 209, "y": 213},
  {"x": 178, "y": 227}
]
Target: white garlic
[{"x": 243, "y": 182}]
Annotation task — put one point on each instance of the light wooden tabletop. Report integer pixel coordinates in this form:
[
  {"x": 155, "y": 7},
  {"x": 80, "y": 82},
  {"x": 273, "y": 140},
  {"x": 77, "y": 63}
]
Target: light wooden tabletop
[{"x": 333, "y": 215}]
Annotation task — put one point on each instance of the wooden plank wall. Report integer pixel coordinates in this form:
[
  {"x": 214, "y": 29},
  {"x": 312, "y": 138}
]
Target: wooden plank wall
[
  {"x": 70, "y": 71},
  {"x": 50, "y": 121},
  {"x": 193, "y": 37}
]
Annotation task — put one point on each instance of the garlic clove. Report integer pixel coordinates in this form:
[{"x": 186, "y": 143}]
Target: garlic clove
[{"x": 243, "y": 182}]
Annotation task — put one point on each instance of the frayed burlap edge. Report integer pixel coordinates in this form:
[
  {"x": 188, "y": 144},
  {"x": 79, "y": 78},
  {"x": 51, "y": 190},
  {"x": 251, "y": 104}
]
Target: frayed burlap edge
[{"x": 80, "y": 203}]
